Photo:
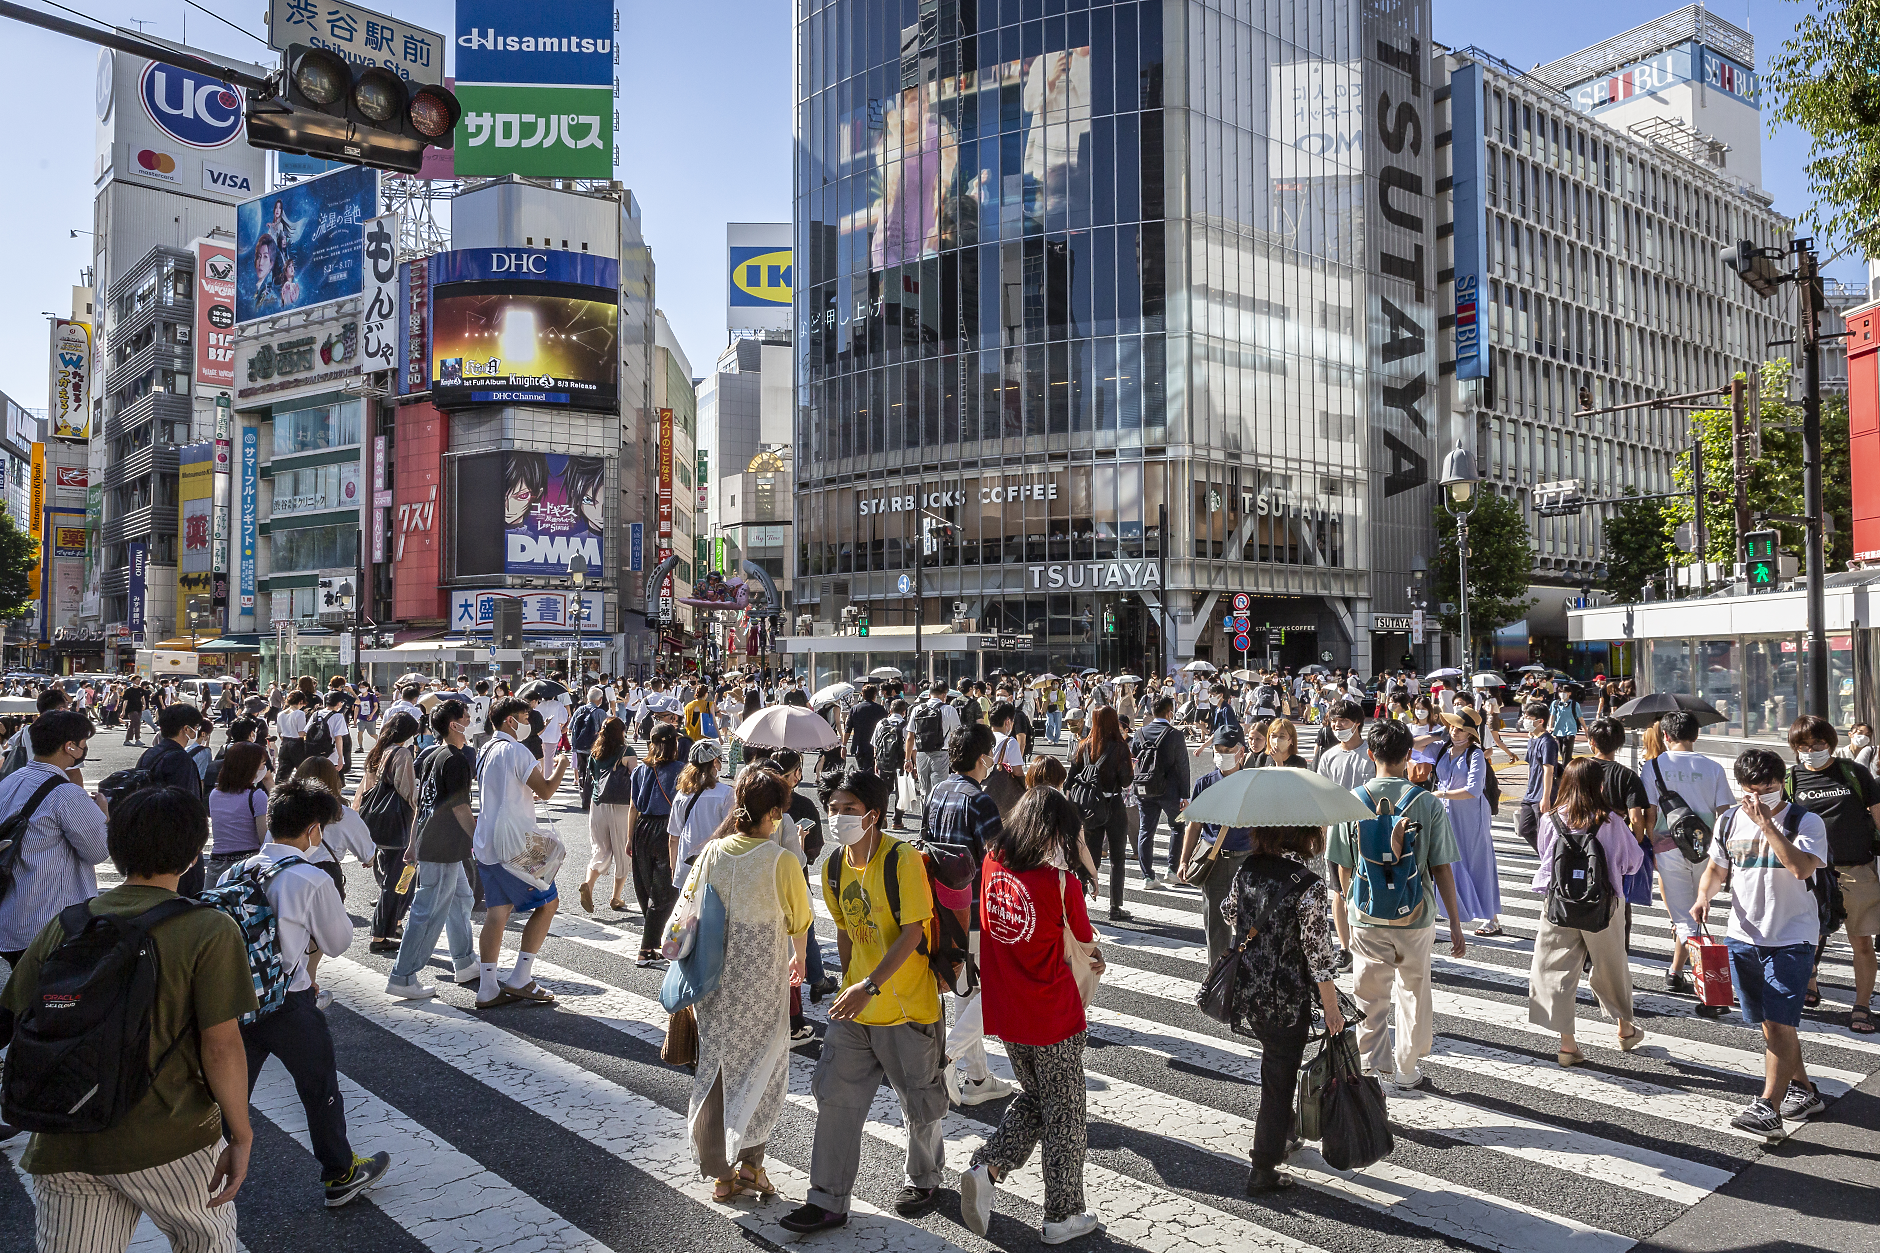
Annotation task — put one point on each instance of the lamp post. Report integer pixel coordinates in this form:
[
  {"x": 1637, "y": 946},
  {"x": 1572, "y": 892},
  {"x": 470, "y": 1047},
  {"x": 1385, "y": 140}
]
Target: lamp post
[
  {"x": 577, "y": 575},
  {"x": 1459, "y": 482}
]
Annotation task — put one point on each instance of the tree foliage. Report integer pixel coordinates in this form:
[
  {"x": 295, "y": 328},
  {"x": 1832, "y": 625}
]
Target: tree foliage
[
  {"x": 1500, "y": 557},
  {"x": 1638, "y": 547},
  {"x": 1823, "y": 81},
  {"x": 18, "y": 554},
  {"x": 1775, "y": 476}
]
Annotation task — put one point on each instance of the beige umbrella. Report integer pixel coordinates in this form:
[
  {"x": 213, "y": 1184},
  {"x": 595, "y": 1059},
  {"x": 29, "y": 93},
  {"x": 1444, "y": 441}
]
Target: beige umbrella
[
  {"x": 788, "y": 726},
  {"x": 1275, "y": 796}
]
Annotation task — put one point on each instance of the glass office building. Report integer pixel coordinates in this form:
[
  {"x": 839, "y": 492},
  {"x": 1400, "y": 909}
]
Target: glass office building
[{"x": 1136, "y": 301}]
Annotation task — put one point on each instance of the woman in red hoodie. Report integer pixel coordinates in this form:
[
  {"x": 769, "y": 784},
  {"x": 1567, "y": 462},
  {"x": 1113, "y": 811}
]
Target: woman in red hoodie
[{"x": 1031, "y": 895}]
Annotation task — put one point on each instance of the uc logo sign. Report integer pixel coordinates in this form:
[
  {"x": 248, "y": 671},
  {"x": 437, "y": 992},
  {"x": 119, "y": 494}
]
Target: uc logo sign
[
  {"x": 189, "y": 107},
  {"x": 760, "y": 277}
]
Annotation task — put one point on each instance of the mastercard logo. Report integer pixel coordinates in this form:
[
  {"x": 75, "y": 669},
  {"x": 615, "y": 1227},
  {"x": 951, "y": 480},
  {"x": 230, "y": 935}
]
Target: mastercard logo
[{"x": 161, "y": 162}]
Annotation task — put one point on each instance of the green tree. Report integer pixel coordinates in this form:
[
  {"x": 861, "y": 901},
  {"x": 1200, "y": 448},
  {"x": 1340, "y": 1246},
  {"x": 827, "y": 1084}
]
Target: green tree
[
  {"x": 1775, "y": 476},
  {"x": 19, "y": 552},
  {"x": 1638, "y": 547},
  {"x": 1823, "y": 81},
  {"x": 1500, "y": 558}
]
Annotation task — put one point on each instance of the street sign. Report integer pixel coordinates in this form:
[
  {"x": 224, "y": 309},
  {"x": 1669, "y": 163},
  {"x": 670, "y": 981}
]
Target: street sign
[
  {"x": 1227, "y": 623},
  {"x": 1242, "y": 643},
  {"x": 904, "y": 585},
  {"x": 1242, "y": 602},
  {"x": 1416, "y": 626},
  {"x": 1241, "y": 624},
  {"x": 361, "y": 36},
  {"x": 1022, "y": 642}
]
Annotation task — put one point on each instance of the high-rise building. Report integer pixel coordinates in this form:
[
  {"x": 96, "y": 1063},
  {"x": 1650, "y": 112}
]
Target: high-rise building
[
  {"x": 1590, "y": 199},
  {"x": 1140, "y": 298},
  {"x": 745, "y": 411}
]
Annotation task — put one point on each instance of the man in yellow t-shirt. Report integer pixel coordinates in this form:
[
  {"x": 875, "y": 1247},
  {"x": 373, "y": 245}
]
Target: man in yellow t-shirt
[
  {"x": 699, "y": 722},
  {"x": 885, "y": 1023}
]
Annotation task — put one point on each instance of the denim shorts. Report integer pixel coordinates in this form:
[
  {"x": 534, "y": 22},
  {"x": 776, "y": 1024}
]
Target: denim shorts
[
  {"x": 1771, "y": 982},
  {"x": 500, "y": 887}
]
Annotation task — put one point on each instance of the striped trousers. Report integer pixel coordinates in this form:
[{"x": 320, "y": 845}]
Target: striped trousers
[{"x": 79, "y": 1213}]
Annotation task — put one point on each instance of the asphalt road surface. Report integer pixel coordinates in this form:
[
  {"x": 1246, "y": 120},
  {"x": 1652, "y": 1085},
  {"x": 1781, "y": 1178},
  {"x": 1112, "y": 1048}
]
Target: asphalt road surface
[{"x": 531, "y": 1129}]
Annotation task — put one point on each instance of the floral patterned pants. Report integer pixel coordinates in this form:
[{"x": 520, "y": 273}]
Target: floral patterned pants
[{"x": 1050, "y": 1108}]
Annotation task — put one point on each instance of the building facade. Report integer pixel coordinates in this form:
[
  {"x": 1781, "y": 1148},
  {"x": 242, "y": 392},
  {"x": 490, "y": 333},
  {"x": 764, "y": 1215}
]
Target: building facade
[
  {"x": 745, "y": 423},
  {"x": 1589, "y": 207},
  {"x": 1125, "y": 297}
]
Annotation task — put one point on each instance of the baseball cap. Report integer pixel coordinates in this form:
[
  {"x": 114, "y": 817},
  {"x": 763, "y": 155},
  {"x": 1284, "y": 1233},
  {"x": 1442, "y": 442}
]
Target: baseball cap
[{"x": 1229, "y": 736}]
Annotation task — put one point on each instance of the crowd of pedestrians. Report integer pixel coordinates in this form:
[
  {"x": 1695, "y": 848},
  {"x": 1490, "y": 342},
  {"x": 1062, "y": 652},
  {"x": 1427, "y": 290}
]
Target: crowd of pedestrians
[{"x": 954, "y": 858}]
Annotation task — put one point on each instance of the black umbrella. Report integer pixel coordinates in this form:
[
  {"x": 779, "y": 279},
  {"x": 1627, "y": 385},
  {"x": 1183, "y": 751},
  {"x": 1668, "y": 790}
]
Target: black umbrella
[
  {"x": 542, "y": 689},
  {"x": 1649, "y": 708}
]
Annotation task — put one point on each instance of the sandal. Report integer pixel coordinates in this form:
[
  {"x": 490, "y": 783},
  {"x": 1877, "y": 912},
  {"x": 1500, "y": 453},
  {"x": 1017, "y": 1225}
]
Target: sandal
[
  {"x": 1860, "y": 1020},
  {"x": 1570, "y": 1057},
  {"x": 754, "y": 1180},
  {"x": 1489, "y": 929},
  {"x": 727, "y": 1189},
  {"x": 1629, "y": 1042},
  {"x": 1813, "y": 998}
]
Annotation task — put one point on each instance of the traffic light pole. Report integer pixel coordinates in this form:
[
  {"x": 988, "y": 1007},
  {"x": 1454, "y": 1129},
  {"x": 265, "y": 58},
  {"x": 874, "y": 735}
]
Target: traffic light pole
[
  {"x": 123, "y": 42},
  {"x": 1809, "y": 295}
]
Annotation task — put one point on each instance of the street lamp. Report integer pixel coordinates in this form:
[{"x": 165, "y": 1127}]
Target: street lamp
[
  {"x": 577, "y": 575},
  {"x": 1459, "y": 483}
]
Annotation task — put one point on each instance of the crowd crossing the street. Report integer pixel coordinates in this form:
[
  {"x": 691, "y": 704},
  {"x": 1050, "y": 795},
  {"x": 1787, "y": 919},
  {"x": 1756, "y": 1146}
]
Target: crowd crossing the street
[{"x": 534, "y": 1097}]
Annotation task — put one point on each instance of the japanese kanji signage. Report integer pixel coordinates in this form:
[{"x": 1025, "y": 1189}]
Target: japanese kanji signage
[
  {"x": 321, "y": 352},
  {"x": 472, "y": 611},
  {"x": 362, "y": 36},
  {"x": 538, "y": 98},
  {"x": 379, "y": 323}
]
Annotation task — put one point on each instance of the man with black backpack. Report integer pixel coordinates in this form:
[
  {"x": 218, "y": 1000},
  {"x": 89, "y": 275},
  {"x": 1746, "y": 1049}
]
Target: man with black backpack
[
  {"x": 888, "y": 742},
  {"x": 1159, "y": 753},
  {"x": 1687, "y": 791},
  {"x": 583, "y": 729},
  {"x": 1847, "y": 798},
  {"x": 928, "y": 726},
  {"x": 51, "y": 832},
  {"x": 1767, "y": 850},
  {"x": 149, "y": 1140}
]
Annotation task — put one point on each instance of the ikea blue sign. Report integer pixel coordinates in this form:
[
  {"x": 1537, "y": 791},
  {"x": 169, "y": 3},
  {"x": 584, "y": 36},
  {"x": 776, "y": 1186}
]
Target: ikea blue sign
[{"x": 760, "y": 277}]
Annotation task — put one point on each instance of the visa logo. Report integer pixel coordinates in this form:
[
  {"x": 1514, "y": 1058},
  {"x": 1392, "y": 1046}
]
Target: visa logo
[
  {"x": 227, "y": 182},
  {"x": 765, "y": 277}
]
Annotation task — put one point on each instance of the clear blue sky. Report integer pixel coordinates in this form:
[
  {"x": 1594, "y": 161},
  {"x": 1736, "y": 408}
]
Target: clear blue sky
[{"x": 705, "y": 133}]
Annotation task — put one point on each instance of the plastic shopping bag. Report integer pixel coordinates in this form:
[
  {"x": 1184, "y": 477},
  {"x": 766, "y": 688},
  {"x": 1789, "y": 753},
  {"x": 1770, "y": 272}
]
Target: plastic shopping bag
[
  {"x": 540, "y": 858},
  {"x": 968, "y": 1029}
]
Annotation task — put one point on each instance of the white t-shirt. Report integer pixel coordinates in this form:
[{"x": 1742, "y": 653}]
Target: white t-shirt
[
  {"x": 336, "y": 724},
  {"x": 307, "y": 909},
  {"x": 1700, "y": 780},
  {"x": 508, "y": 812},
  {"x": 554, "y": 714},
  {"x": 479, "y": 714},
  {"x": 1769, "y": 906},
  {"x": 699, "y": 816},
  {"x": 291, "y": 724},
  {"x": 1005, "y": 752}
]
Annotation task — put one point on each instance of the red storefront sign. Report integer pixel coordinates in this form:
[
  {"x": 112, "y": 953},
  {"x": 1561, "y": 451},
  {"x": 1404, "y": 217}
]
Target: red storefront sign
[{"x": 418, "y": 514}]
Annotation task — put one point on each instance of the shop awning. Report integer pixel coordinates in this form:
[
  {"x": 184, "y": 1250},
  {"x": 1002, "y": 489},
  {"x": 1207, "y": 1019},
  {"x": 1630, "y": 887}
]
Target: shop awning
[{"x": 227, "y": 646}]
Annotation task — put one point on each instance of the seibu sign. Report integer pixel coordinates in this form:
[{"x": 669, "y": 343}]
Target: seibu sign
[
  {"x": 1097, "y": 575},
  {"x": 995, "y": 495}
]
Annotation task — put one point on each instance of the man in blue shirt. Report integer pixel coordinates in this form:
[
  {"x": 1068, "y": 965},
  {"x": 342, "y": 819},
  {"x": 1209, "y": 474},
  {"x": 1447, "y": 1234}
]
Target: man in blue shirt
[
  {"x": 1230, "y": 754},
  {"x": 1545, "y": 763},
  {"x": 1223, "y": 714}
]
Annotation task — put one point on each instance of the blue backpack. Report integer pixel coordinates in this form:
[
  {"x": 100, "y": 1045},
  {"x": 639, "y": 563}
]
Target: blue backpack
[
  {"x": 243, "y": 896},
  {"x": 1387, "y": 888}
]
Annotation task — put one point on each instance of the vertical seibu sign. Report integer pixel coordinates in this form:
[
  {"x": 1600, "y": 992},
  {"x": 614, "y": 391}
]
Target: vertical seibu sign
[{"x": 1469, "y": 160}]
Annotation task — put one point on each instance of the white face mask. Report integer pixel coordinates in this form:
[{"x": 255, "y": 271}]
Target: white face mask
[
  {"x": 1347, "y": 734},
  {"x": 1224, "y": 762},
  {"x": 847, "y": 829},
  {"x": 1858, "y": 741},
  {"x": 1770, "y": 801},
  {"x": 1532, "y": 724},
  {"x": 1421, "y": 715},
  {"x": 1818, "y": 758}
]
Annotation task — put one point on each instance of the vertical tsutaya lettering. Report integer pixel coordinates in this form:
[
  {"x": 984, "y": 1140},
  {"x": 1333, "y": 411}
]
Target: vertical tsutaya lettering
[
  {"x": 1409, "y": 269},
  {"x": 1408, "y": 467},
  {"x": 1400, "y": 340},
  {"x": 1409, "y": 126},
  {"x": 1403, "y": 180},
  {"x": 1410, "y": 62},
  {"x": 1405, "y": 338},
  {"x": 1405, "y": 399}
]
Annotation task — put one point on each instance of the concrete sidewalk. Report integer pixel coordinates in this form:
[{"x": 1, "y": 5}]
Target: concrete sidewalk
[{"x": 1818, "y": 1190}]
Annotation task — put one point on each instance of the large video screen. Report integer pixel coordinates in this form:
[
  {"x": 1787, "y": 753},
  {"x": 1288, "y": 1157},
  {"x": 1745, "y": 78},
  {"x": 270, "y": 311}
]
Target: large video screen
[
  {"x": 519, "y": 343},
  {"x": 299, "y": 247}
]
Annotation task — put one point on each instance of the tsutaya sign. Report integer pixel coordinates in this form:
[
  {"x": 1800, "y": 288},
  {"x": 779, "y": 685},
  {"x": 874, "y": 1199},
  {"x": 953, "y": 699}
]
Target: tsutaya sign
[
  {"x": 991, "y": 495},
  {"x": 1126, "y": 575}
]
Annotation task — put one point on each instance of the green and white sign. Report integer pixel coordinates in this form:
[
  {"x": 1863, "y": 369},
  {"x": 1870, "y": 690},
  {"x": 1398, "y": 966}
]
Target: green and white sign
[{"x": 538, "y": 130}]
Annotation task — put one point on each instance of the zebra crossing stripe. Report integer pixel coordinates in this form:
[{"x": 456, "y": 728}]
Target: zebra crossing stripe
[
  {"x": 639, "y": 1132},
  {"x": 442, "y": 1197}
]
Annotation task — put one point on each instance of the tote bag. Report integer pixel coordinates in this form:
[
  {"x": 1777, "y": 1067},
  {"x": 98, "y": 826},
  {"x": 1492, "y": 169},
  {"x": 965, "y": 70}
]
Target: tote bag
[{"x": 696, "y": 975}]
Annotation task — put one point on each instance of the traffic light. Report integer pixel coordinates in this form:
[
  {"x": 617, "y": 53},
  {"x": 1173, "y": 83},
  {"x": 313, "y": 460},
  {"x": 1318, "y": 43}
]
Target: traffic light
[
  {"x": 861, "y": 623},
  {"x": 364, "y": 115},
  {"x": 1753, "y": 267},
  {"x": 1761, "y": 563}
]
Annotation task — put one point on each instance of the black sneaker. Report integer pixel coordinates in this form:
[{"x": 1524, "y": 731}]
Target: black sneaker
[
  {"x": 1801, "y": 1103},
  {"x": 914, "y": 1202},
  {"x": 1344, "y": 959},
  {"x": 365, "y": 1172},
  {"x": 1679, "y": 982},
  {"x": 805, "y": 1219},
  {"x": 1761, "y": 1117},
  {"x": 821, "y": 988},
  {"x": 1121, "y": 915}
]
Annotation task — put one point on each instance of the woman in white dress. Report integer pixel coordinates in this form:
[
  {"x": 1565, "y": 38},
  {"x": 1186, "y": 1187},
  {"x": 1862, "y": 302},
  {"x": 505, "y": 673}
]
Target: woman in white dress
[{"x": 744, "y": 1023}]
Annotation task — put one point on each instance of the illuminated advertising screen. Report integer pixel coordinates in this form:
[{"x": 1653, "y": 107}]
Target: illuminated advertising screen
[{"x": 525, "y": 327}]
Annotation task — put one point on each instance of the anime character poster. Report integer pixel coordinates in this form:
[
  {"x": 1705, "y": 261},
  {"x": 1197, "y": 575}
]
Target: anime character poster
[
  {"x": 300, "y": 246},
  {"x": 552, "y": 509}
]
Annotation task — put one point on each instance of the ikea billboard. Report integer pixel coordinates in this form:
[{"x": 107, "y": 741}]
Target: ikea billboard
[{"x": 759, "y": 289}]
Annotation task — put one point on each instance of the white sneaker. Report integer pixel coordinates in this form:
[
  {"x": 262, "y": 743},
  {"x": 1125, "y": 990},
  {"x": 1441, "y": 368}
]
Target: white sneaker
[
  {"x": 1406, "y": 1083},
  {"x": 976, "y": 1195},
  {"x": 409, "y": 989},
  {"x": 1072, "y": 1227},
  {"x": 1151, "y": 884},
  {"x": 466, "y": 974},
  {"x": 991, "y": 1088},
  {"x": 952, "y": 1078}
]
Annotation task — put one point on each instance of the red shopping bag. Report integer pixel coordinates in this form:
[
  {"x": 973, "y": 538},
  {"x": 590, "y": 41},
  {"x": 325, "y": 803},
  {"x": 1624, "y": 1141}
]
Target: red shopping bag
[{"x": 1710, "y": 972}]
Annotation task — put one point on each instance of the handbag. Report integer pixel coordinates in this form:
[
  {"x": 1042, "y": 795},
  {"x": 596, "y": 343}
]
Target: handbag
[
  {"x": 1315, "y": 1073},
  {"x": 680, "y": 1048},
  {"x": 1085, "y": 960},
  {"x": 1216, "y": 995},
  {"x": 387, "y": 814},
  {"x": 1005, "y": 788},
  {"x": 695, "y": 976},
  {"x": 1355, "y": 1128},
  {"x": 1202, "y": 862}
]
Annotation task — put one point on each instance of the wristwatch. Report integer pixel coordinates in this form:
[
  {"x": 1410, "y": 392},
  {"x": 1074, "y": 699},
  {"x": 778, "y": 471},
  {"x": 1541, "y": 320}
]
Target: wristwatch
[{"x": 873, "y": 988}]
